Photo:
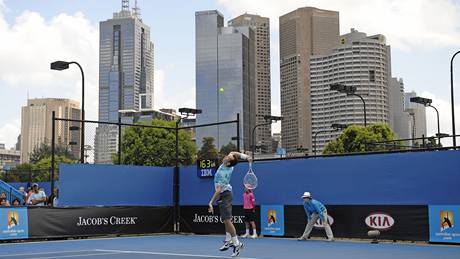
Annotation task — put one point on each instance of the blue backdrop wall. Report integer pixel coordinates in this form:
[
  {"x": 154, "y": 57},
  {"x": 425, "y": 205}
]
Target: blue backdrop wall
[
  {"x": 422, "y": 178},
  {"x": 419, "y": 178},
  {"x": 111, "y": 185}
]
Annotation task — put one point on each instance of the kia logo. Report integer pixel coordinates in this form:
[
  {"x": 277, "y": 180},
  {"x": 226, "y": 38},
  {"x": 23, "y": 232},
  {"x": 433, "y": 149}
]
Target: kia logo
[
  {"x": 379, "y": 221},
  {"x": 319, "y": 222}
]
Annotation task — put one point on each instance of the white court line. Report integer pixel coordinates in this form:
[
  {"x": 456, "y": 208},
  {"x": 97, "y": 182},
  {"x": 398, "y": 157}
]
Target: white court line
[
  {"x": 45, "y": 253},
  {"x": 71, "y": 256},
  {"x": 171, "y": 254},
  {"x": 80, "y": 240}
]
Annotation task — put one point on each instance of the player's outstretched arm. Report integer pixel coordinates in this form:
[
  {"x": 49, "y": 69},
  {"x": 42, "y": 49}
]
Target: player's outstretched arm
[{"x": 241, "y": 156}]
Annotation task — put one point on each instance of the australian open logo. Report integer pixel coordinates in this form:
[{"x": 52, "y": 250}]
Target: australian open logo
[
  {"x": 446, "y": 219},
  {"x": 271, "y": 217},
  {"x": 13, "y": 219}
]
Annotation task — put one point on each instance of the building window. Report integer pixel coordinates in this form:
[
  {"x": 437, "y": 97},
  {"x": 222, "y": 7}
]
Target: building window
[{"x": 372, "y": 75}]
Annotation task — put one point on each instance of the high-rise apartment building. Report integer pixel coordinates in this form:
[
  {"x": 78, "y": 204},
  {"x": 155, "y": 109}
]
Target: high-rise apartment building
[
  {"x": 261, "y": 27},
  {"x": 359, "y": 61},
  {"x": 417, "y": 113},
  {"x": 125, "y": 74},
  {"x": 36, "y": 125},
  {"x": 399, "y": 118},
  {"x": 225, "y": 81},
  {"x": 304, "y": 32}
]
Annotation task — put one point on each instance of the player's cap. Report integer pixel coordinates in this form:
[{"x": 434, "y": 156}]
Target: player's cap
[
  {"x": 35, "y": 184},
  {"x": 306, "y": 195}
]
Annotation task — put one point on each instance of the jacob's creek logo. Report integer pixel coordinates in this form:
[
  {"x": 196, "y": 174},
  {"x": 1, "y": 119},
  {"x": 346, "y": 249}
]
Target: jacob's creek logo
[
  {"x": 112, "y": 221},
  {"x": 379, "y": 221},
  {"x": 216, "y": 219},
  {"x": 271, "y": 217},
  {"x": 446, "y": 219},
  {"x": 13, "y": 219},
  {"x": 319, "y": 222}
]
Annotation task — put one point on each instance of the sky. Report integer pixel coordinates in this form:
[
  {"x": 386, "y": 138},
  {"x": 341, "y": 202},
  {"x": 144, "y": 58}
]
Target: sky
[{"x": 423, "y": 35}]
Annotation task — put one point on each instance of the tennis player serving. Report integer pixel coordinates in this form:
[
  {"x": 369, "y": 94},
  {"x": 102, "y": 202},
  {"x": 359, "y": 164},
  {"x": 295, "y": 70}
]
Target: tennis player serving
[{"x": 223, "y": 196}]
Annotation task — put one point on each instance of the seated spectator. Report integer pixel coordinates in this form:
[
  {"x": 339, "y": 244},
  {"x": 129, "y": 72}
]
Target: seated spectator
[
  {"x": 16, "y": 202},
  {"x": 5, "y": 202},
  {"x": 38, "y": 198},
  {"x": 28, "y": 194}
]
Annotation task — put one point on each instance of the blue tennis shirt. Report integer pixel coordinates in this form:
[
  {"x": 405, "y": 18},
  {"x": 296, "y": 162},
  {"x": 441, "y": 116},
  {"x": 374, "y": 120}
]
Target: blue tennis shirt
[{"x": 222, "y": 178}]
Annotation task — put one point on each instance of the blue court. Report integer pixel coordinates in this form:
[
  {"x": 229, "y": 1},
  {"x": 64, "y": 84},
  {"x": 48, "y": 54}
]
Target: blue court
[{"x": 179, "y": 246}]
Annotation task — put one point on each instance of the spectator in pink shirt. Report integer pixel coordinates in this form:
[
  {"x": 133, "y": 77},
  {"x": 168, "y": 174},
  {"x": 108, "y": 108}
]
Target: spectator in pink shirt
[{"x": 249, "y": 213}]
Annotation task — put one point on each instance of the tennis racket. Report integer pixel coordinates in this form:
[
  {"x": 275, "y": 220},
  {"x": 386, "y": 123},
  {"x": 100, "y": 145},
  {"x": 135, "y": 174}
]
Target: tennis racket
[{"x": 250, "y": 179}]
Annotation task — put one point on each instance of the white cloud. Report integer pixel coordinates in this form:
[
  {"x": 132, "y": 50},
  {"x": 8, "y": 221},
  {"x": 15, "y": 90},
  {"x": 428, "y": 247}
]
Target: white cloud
[
  {"x": 408, "y": 24},
  {"x": 172, "y": 96},
  {"x": 276, "y": 111},
  {"x": 9, "y": 133},
  {"x": 159, "y": 99},
  {"x": 32, "y": 43}
]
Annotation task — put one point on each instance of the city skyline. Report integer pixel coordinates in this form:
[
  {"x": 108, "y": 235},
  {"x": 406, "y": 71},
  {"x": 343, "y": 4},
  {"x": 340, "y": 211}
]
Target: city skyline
[{"x": 407, "y": 54}]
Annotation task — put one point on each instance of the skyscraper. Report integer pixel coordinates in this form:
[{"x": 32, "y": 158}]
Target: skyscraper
[
  {"x": 36, "y": 125},
  {"x": 361, "y": 61},
  {"x": 225, "y": 79},
  {"x": 261, "y": 27},
  {"x": 304, "y": 32},
  {"x": 125, "y": 74},
  {"x": 399, "y": 118},
  {"x": 417, "y": 113}
]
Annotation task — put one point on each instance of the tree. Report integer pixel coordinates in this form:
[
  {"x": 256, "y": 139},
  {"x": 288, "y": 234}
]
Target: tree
[
  {"x": 357, "y": 138},
  {"x": 226, "y": 149},
  {"x": 43, "y": 167},
  {"x": 44, "y": 150},
  {"x": 208, "y": 149},
  {"x": 156, "y": 147}
]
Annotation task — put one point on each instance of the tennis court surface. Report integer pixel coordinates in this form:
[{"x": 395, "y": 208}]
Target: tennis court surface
[{"x": 179, "y": 246}]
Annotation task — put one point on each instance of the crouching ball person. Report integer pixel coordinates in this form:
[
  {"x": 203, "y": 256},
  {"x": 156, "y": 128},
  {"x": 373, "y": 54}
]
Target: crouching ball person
[
  {"x": 314, "y": 210},
  {"x": 223, "y": 195}
]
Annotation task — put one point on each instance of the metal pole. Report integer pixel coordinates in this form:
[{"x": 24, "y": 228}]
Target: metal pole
[
  {"x": 364, "y": 104},
  {"x": 119, "y": 140},
  {"x": 238, "y": 132},
  {"x": 254, "y": 138},
  {"x": 176, "y": 182},
  {"x": 82, "y": 141},
  {"x": 439, "y": 128},
  {"x": 53, "y": 139},
  {"x": 452, "y": 96}
]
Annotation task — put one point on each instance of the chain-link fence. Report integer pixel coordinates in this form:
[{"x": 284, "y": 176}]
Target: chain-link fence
[{"x": 26, "y": 175}]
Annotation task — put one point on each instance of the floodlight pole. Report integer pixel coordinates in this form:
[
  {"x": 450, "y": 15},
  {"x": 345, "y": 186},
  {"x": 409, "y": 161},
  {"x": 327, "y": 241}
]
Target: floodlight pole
[
  {"x": 452, "y": 97},
  {"x": 254, "y": 138},
  {"x": 437, "y": 117},
  {"x": 62, "y": 65},
  {"x": 364, "y": 104}
]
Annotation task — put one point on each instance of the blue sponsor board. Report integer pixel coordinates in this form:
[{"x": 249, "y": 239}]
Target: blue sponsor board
[
  {"x": 272, "y": 220},
  {"x": 444, "y": 223},
  {"x": 206, "y": 168},
  {"x": 13, "y": 223}
]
